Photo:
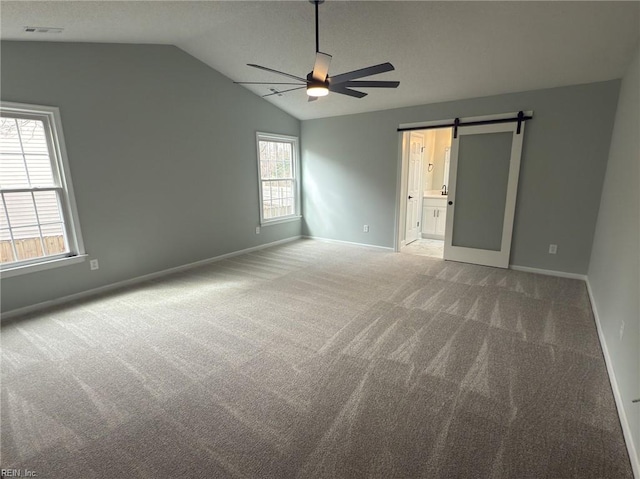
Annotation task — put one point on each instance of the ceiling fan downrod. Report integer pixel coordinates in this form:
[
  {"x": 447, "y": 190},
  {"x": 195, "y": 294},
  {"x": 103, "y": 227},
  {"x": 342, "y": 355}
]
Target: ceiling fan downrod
[{"x": 317, "y": 4}]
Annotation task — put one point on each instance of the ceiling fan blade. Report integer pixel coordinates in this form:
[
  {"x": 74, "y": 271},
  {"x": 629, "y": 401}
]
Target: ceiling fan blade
[
  {"x": 321, "y": 67},
  {"x": 263, "y": 83},
  {"x": 312, "y": 98},
  {"x": 371, "y": 84},
  {"x": 363, "y": 72},
  {"x": 346, "y": 91},
  {"x": 283, "y": 91},
  {"x": 276, "y": 71}
]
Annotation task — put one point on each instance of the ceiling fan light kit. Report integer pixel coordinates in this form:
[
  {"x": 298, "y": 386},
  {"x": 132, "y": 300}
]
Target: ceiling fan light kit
[
  {"x": 318, "y": 82},
  {"x": 317, "y": 90}
]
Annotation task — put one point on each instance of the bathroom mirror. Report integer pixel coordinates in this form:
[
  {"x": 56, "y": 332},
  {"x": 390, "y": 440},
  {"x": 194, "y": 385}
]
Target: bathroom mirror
[{"x": 437, "y": 153}]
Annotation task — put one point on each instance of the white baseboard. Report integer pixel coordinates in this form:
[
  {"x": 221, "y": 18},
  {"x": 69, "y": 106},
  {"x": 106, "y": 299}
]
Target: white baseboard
[
  {"x": 548, "y": 272},
  {"x": 626, "y": 428},
  {"x": 139, "y": 279},
  {"x": 328, "y": 240}
]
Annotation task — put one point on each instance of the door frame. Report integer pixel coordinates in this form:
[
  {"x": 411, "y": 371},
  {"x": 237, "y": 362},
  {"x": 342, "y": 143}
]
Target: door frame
[{"x": 403, "y": 162}]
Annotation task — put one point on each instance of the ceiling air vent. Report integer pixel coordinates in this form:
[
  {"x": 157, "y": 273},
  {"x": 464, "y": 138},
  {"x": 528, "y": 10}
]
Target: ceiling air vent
[{"x": 43, "y": 29}]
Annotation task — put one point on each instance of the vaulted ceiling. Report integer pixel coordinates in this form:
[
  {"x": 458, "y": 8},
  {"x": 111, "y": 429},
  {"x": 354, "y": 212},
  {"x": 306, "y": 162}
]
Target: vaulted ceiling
[{"x": 441, "y": 50}]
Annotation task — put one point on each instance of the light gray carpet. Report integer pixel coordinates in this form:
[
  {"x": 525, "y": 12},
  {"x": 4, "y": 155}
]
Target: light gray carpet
[{"x": 315, "y": 360}]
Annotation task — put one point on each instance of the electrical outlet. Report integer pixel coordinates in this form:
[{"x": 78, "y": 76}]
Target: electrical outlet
[
  {"x": 365, "y": 228},
  {"x": 93, "y": 264},
  {"x": 553, "y": 248},
  {"x": 257, "y": 230},
  {"x": 621, "y": 330}
]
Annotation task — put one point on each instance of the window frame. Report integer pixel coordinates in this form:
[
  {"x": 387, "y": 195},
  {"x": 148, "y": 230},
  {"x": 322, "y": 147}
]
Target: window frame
[
  {"x": 50, "y": 116},
  {"x": 293, "y": 140}
]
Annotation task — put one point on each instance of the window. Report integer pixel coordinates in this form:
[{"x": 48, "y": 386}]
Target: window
[
  {"x": 38, "y": 219},
  {"x": 278, "y": 170}
]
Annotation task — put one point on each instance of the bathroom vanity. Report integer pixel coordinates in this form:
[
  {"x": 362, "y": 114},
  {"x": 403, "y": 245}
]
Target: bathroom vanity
[{"x": 434, "y": 214}]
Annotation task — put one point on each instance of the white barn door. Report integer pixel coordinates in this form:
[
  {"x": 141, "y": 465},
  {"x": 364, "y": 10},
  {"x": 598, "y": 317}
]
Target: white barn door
[{"x": 483, "y": 183}]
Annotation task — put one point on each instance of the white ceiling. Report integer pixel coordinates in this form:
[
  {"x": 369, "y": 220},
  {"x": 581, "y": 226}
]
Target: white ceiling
[{"x": 441, "y": 50}]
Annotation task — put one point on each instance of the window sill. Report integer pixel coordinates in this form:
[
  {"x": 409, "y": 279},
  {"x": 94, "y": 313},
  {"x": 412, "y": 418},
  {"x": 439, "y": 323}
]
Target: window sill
[
  {"x": 281, "y": 220},
  {"x": 44, "y": 265}
]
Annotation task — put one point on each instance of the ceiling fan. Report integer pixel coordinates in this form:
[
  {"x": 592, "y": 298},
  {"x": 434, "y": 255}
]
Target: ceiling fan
[{"x": 318, "y": 83}]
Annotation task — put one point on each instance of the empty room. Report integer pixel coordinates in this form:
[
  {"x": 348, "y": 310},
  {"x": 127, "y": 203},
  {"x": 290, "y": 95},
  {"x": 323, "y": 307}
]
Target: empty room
[{"x": 320, "y": 239}]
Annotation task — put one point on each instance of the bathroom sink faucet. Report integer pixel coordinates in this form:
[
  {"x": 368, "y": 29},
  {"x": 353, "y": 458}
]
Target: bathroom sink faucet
[{"x": 444, "y": 190}]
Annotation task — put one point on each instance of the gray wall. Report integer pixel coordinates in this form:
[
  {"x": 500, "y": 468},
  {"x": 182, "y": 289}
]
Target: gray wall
[
  {"x": 614, "y": 272},
  {"x": 350, "y": 168},
  {"x": 162, "y": 155}
]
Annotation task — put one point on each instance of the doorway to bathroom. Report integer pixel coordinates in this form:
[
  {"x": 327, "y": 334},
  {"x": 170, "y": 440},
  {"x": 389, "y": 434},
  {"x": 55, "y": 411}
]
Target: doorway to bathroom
[
  {"x": 475, "y": 221},
  {"x": 428, "y": 153}
]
